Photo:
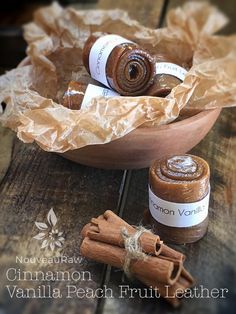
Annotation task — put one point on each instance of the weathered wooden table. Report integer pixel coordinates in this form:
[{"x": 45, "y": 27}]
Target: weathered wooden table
[{"x": 33, "y": 181}]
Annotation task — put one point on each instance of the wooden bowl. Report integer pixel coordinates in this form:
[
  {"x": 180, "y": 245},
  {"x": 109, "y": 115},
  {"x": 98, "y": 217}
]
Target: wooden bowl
[{"x": 140, "y": 147}]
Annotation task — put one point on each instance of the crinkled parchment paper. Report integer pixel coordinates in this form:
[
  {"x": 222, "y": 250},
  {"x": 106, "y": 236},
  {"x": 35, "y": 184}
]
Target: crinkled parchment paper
[{"x": 55, "y": 40}]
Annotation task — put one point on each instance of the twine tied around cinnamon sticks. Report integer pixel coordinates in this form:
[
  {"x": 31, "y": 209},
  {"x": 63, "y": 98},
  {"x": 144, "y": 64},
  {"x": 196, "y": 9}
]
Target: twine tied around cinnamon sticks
[
  {"x": 132, "y": 247},
  {"x": 111, "y": 240}
]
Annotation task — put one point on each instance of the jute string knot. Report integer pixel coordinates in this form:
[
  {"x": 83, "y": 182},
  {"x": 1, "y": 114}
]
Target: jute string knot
[{"x": 132, "y": 247}]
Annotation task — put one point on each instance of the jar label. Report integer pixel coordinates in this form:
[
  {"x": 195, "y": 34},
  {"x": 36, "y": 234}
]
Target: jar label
[
  {"x": 178, "y": 214},
  {"x": 99, "y": 54},
  {"x": 171, "y": 69},
  {"x": 95, "y": 91}
]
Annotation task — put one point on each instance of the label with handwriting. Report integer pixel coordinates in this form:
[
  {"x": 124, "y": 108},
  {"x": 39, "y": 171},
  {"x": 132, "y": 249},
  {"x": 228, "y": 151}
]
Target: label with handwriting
[
  {"x": 99, "y": 54},
  {"x": 178, "y": 214},
  {"x": 171, "y": 69},
  {"x": 95, "y": 91}
]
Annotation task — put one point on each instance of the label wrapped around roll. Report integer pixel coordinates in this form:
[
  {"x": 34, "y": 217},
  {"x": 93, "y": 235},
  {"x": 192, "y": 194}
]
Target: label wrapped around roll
[
  {"x": 179, "y": 197},
  {"x": 119, "y": 63},
  {"x": 169, "y": 74},
  {"x": 79, "y": 95}
]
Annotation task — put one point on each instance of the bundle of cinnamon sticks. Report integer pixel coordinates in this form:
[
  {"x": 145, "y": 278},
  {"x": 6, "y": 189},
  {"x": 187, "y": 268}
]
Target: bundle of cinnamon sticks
[{"x": 150, "y": 260}]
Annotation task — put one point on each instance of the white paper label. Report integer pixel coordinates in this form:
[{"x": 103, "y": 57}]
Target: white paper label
[
  {"x": 178, "y": 214},
  {"x": 99, "y": 54},
  {"x": 171, "y": 69},
  {"x": 94, "y": 91}
]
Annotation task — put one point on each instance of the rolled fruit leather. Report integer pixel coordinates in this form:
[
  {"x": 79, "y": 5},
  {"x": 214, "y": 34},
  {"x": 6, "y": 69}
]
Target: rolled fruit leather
[
  {"x": 119, "y": 63},
  {"x": 169, "y": 74},
  {"x": 179, "y": 197},
  {"x": 79, "y": 94}
]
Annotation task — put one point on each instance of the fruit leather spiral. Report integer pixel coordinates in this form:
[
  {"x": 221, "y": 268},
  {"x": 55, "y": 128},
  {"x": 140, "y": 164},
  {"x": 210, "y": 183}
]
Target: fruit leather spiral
[
  {"x": 119, "y": 63},
  {"x": 169, "y": 74},
  {"x": 178, "y": 198},
  {"x": 74, "y": 95}
]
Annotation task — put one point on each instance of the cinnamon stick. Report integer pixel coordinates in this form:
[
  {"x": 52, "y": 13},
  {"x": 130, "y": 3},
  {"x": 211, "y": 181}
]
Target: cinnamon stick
[
  {"x": 169, "y": 293},
  {"x": 161, "y": 268},
  {"x": 167, "y": 252},
  {"x": 152, "y": 268},
  {"x": 107, "y": 228},
  {"x": 103, "y": 231}
]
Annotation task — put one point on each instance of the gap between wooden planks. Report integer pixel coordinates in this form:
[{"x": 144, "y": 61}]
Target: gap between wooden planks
[
  {"x": 151, "y": 14},
  {"x": 35, "y": 182},
  {"x": 212, "y": 260}
]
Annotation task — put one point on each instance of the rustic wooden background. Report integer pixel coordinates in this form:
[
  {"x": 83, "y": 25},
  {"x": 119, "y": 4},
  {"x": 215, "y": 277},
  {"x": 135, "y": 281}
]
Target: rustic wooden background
[{"x": 33, "y": 181}]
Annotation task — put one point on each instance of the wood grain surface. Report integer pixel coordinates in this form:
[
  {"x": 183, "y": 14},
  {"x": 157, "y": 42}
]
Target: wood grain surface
[
  {"x": 37, "y": 181},
  {"x": 7, "y": 138},
  {"x": 33, "y": 181},
  {"x": 212, "y": 259}
]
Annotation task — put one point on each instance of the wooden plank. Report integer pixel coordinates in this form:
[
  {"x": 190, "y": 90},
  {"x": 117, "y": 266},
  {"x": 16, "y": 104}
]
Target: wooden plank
[
  {"x": 37, "y": 181},
  {"x": 6, "y": 144},
  {"x": 211, "y": 260}
]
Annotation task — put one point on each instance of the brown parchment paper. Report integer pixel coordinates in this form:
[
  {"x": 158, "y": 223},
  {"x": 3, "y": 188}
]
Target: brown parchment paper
[{"x": 55, "y": 40}]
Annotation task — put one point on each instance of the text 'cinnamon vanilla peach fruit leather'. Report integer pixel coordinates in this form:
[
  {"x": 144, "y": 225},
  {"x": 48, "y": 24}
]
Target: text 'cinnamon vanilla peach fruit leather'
[{"x": 179, "y": 198}]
